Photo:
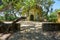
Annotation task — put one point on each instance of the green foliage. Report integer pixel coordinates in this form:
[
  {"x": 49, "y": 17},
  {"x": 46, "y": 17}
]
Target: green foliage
[
  {"x": 8, "y": 16},
  {"x": 2, "y": 18},
  {"x": 52, "y": 17},
  {"x": 1, "y": 7},
  {"x": 47, "y": 4},
  {"x": 25, "y": 5}
]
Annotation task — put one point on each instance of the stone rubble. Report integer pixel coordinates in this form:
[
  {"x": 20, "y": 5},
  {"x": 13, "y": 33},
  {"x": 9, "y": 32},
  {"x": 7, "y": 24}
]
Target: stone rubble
[{"x": 32, "y": 32}]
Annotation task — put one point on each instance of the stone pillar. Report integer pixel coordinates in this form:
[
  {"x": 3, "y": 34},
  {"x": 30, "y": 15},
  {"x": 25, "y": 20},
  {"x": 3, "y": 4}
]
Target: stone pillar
[{"x": 58, "y": 17}]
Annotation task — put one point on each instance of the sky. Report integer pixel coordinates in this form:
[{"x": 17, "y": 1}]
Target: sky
[{"x": 56, "y": 5}]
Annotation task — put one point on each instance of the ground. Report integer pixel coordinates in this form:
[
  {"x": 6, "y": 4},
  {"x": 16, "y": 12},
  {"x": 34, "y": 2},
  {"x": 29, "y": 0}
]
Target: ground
[{"x": 31, "y": 32}]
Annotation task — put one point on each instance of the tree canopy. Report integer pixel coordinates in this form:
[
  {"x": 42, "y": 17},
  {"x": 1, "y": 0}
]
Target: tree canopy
[{"x": 18, "y": 6}]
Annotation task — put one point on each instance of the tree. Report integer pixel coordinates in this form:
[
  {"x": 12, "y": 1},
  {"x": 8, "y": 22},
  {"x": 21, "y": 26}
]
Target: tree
[
  {"x": 53, "y": 16},
  {"x": 21, "y": 6},
  {"x": 8, "y": 6},
  {"x": 47, "y": 6}
]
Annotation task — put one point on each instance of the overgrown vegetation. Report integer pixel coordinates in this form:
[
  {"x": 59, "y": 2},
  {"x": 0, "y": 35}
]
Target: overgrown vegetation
[{"x": 12, "y": 8}]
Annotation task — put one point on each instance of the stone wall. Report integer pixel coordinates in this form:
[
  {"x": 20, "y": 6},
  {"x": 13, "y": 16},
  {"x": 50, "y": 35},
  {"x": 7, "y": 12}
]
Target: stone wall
[{"x": 32, "y": 31}]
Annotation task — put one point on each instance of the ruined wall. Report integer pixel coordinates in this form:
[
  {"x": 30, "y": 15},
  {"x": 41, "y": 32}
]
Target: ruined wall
[{"x": 58, "y": 17}]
